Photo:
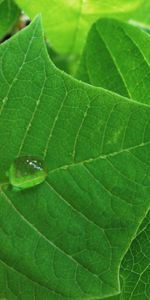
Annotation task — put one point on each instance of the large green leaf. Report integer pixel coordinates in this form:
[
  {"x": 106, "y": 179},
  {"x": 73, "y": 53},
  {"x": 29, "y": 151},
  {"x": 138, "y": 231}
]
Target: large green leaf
[
  {"x": 73, "y": 219},
  {"x": 67, "y": 23},
  {"x": 9, "y": 13},
  {"x": 120, "y": 62},
  {"x": 66, "y": 238},
  {"x": 59, "y": 240}
]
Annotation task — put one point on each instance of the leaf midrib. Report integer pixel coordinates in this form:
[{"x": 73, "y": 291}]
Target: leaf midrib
[{"x": 101, "y": 156}]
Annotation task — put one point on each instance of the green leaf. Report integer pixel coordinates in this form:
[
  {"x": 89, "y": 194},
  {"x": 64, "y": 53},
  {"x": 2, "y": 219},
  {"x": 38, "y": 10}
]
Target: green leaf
[
  {"x": 9, "y": 12},
  {"x": 124, "y": 52},
  {"x": 65, "y": 238},
  {"x": 67, "y": 23},
  {"x": 135, "y": 267},
  {"x": 104, "y": 61}
]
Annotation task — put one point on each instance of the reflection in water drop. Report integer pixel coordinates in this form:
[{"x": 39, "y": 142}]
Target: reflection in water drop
[{"x": 26, "y": 172}]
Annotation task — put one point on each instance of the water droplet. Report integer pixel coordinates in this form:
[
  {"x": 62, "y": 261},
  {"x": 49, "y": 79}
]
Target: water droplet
[{"x": 26, "y": 172}]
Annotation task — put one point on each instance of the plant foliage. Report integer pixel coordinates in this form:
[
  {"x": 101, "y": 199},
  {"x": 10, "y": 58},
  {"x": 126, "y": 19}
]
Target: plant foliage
[{"x": 83, "y": 233}]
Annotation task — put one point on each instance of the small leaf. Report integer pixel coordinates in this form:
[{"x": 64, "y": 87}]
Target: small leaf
[
  {"x": 9, "y": 12},
  {"x": 104, "y": 61}
]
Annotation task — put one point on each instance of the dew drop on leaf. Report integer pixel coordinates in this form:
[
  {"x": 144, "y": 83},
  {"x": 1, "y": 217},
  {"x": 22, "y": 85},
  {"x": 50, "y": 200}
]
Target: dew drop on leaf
[{"x": 26, "y": 172}]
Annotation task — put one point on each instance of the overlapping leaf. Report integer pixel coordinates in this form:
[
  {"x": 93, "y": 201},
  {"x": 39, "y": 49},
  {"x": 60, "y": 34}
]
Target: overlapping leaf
[
  {"x": 9, "y": 13},
  {"x": 120, "y": 62},
  {"x": 135, "y": 267}
]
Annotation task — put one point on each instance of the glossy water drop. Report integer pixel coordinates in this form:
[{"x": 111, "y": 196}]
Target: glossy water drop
[{"x": 26, "y": 172}]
